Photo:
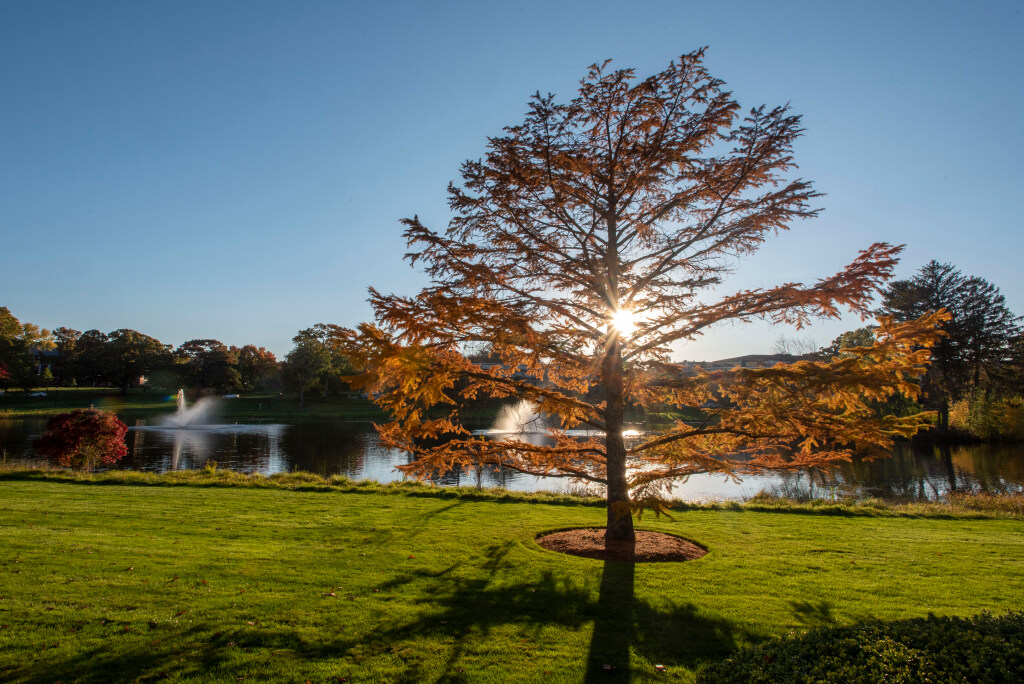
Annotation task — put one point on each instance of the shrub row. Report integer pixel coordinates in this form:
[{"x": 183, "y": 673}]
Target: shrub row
[{"x": 983, "y": 648}]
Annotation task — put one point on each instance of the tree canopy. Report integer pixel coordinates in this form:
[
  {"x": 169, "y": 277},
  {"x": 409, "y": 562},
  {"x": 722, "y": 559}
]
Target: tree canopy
[
  {"x": 256, "y": 365},
  {"x": 587, "y": 241},
  {"x": 19, "y": 344},
  {"x": 979, "y": 343},
  {"x": 132, "y": 354},
  {"x": 317, "y": 361},
  {"x": 208, "y": 364}
]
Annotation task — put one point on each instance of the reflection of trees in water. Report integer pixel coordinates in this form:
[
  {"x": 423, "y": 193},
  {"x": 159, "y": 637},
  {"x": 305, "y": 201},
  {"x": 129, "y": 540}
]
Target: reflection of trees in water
[
  {"x": 990, "y": 467},
  {"x": 904, "y": 475},
  {"x": 914, "y": 472},
  {"x": 16, "y": 437},
  {"x": 480, "y": 476},
  {"x": 246, "y": 448},
  {"x": 326, "y": 449}
]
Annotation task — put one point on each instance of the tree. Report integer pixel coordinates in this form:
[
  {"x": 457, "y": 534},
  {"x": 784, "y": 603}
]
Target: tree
[
  {"x": 93, "y": 364},
  {"x": 587, "y": 242},
  {"x": 132, "y": 354},
  {"x": 83, "y": 439},
  {"x": 208, "y": 364},
  {"x": 977, "y": 349},
  {"x": 305, "y": 365},
  {"x": 255, "y": 366},
  {"x": 794, "y": 346},
  {"x": 20, "y": 344},
  {"x": 66, "y": 340},
  {"x": 318, "y": 361},
  {"x": 848, "y": 345},
  {"x": 15, "y": 359},
  {"x": 861, "y": 337},
  {"x": 10, "y": 327}
]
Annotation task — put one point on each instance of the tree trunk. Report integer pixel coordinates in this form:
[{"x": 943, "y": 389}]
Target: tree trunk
[{"x": 620, "y": 517}]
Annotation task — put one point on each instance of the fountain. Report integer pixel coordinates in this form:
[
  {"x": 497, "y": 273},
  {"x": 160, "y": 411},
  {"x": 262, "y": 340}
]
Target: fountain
[
  {"x": 522, "y": 421},
  {"x": 192, "y": 433},
  {"x": 201, "y": 413},
  {"x": 522, "y": 418}
]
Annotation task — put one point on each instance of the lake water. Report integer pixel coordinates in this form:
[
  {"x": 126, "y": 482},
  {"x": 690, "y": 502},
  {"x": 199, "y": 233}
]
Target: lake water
[{"x": 353, "y": 449}]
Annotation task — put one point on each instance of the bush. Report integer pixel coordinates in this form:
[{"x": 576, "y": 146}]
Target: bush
[
  {"x": 982, "y": 648},
  {"x": 83, "y": 439},
  {"x": 989, "y": 417}
]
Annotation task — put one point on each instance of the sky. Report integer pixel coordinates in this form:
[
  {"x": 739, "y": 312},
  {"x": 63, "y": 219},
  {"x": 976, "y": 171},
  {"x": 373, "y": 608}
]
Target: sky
[{"x": 238, "y": 170}]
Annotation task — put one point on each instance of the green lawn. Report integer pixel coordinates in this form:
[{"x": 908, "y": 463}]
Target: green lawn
[
  {"x": 256, "y": 405},
  {"x": 105, "y": 582},
  {"x": 139, "y": 403}
]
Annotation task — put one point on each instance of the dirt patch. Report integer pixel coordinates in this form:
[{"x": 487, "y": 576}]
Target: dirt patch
[{"x": 650, "y": 547}]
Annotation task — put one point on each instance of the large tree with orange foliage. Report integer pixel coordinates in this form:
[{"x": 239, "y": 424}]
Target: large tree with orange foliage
[{"x": 588, "y": 241}]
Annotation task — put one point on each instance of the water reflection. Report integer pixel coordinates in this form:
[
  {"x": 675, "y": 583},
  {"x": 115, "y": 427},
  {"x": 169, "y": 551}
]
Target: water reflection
[
  {"x": 353, "y": 450},
  {"x": 250, "y": 448}
]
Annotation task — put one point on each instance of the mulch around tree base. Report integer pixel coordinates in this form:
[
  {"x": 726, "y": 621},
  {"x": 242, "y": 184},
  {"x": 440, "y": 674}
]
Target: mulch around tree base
[{"x": 650, "y": 547}]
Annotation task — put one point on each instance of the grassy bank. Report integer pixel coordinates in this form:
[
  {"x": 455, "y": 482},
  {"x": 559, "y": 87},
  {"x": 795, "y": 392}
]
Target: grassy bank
[
  {"x": 218, "y": 576},
  {"x": 268, "y": 406}
]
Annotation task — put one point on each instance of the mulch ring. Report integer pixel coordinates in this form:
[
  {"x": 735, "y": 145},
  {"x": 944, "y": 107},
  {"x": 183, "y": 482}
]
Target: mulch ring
[{"x": 650, "y": 547}]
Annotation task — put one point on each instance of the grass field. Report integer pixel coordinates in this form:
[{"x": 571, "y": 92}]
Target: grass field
[
  {"x": 138, "y": 403},
  {"x": 254, "y": 405},
  {"x": 298, "y": 579}
]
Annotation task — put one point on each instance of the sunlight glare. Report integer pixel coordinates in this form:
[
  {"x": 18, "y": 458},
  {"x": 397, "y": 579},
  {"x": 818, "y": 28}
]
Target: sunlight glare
[{"x": 624, "y": 321}]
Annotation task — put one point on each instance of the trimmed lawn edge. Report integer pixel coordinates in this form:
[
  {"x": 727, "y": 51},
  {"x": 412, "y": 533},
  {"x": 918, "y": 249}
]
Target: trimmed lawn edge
[{"x": 958, "y": 505}]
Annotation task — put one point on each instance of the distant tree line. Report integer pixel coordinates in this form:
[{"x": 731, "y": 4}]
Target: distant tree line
[
  {"x": 974, "y": 381},
  {"x": 977, "y": 371},
  {"x": 31, "y": 357}
]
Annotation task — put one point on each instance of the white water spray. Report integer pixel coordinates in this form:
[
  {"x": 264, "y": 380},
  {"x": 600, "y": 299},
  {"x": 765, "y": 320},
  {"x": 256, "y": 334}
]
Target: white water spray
[{"x": 201, "y": 413}]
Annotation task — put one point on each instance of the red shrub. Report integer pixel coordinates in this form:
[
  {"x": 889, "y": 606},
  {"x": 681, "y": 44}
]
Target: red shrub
[{"x": 83, "y": 439}]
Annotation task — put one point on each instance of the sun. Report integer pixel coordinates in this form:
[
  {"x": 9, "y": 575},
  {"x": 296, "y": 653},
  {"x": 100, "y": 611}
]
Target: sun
[{"x": 624, "y": 322}]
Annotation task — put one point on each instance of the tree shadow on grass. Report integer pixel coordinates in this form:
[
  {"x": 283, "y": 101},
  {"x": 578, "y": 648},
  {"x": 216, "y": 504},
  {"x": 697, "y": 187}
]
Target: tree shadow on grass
[
  {"x": 813, "y": 614},
  {"x": 460, "y": 607},
  {"x": 192, "y": 652},
  {"x": 679, "y": 636}
]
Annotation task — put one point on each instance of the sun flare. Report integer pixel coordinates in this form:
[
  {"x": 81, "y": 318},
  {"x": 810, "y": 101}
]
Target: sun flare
[{"x": 624, "y": 321}]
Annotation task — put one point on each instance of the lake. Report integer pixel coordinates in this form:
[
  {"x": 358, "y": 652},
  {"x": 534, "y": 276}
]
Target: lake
[{"x": 353, "y": 449}]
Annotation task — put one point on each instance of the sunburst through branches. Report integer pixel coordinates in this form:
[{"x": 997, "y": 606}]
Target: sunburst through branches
[{"x": 634, "y": 196}]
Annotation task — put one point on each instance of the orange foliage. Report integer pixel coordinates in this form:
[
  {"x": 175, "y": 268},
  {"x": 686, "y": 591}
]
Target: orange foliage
[{"x": 635, "y": 196}]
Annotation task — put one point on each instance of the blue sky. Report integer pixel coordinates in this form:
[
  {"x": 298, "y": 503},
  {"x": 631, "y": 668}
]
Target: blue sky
[{"x": 237, "y": 170}]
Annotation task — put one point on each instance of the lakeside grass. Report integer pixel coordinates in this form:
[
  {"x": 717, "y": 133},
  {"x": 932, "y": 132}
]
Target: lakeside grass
[
  {"x": 269, "y": 406},
  {"x": 266, "y": 406},
  {"x": 211, "y": 576}
]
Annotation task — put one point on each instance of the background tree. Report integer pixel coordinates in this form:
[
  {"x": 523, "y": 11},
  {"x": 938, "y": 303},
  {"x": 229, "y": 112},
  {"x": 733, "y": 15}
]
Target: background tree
[
  {"x": 20, "y": 347},
  {"x": 977, "y": 350},
  {"x": 10, "y": 327},
  {"x": 318, "y": 361},
  {"x": 305, "y": 365},
  {"x": 256, "y": 366},
  {"x": 131, "y": 354},
  {"x": 93, "y": 362},
  {"x": 15, "y": 359},
  {"x": 794, "y": 346},
  {"x": 83, "y": 439},
  {"x": 66, "y": 344},
  {"x": 208, "y": 364},
  {"x": 861, "y": 337},
  {"x": 587, "y": 242}
]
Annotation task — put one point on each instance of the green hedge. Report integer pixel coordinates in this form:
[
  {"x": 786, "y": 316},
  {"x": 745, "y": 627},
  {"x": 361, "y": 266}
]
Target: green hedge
[{"x": 978, "y": 649}]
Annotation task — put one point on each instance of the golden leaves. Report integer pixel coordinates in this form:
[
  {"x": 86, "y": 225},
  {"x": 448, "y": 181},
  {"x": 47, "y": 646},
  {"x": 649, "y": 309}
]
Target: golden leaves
[{"x": 631, "y": 195}]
